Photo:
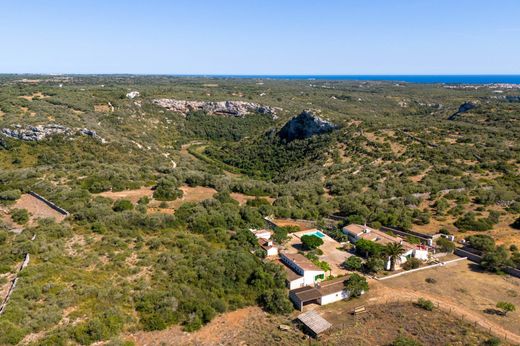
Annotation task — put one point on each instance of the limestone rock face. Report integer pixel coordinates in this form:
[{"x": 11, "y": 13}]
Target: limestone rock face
[
  {"x": 40, "y": 132},
  {"x": 305, "y": 125},
  {"x": 233, "y": 108}
]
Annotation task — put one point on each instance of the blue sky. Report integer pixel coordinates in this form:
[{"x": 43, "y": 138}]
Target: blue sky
[{"x": 260, "y": 36}]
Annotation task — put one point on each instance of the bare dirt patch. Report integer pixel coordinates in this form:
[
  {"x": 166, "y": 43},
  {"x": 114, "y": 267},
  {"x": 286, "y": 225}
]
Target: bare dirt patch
[
  {"x": 190, "y": 194},
  {"x": 38, "y": 94},
  {"x": 102, "y": 108},
  {"x": 242, "y": 199},
  {"x": 193, "y": 194},
  {"x": 131, "y": 195},
  {"x": 37, "y": 209}
]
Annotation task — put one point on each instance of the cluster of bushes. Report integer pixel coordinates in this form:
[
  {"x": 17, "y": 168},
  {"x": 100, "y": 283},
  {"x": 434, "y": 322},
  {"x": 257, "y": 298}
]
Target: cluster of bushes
[
  {"x": 494, "y": 258},
  {"x": 469, "y": 222},
  {"x": 20, "y": 216},
  {"x": 167, "y": 190},
  {"x": 9, "y": 196}
]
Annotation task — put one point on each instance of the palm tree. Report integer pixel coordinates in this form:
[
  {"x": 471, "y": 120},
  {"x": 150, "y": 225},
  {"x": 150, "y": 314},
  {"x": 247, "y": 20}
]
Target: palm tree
[{"x": 394, "y": 251}]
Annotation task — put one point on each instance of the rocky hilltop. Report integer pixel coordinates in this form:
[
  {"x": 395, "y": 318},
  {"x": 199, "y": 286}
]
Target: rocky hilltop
[
  {"x": 41, "y": 132},
  {"x": 233, "y": 108},
  {"x": 305, "y": 125}
]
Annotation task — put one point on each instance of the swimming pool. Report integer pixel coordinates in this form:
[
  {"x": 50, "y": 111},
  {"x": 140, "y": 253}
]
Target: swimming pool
[{"x": 317, "y": 234}]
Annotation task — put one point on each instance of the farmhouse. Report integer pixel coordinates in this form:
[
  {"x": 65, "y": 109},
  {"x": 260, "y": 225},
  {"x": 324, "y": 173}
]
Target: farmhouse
[
  {"x": 263, "y": 237},
  {"x": 322, "y": 293},
  {"x": 268, "y": 247},
  {"x": 300, "y": 271},
  {"x": 356, "y": 232},
  {"x": 262, "y": 233}
]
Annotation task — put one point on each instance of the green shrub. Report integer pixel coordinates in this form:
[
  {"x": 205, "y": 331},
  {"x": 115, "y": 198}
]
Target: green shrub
[
  {"x": 310, "y": 242},
  {"x": 496, "y": 260},
  {"x": 445, "y": 245},
  {"x": 374, "y": 264},
  {"x": 166, "y": 190},
  {"x": 20, "y": 216},
  {"x": 411, "y": 263},
  {"x": 276, "y": 301},
  {"x": 10, "y": 334},
  {"x": 122, "y": 205},
  {"x": 469, "y": 222},
  {"x": 404, "y": 341},
  {"x": 356, "y": 285},
  {"x": 481, "y": 242},
  {"x": 493, "y": 341},
  {"x": 431, "y": 280},
  {"x": 506, "y": 307},
  {"x": 10, "y": 195},
  {"x": 353, "y": 263},
  {"x": 425, "y": 304}
]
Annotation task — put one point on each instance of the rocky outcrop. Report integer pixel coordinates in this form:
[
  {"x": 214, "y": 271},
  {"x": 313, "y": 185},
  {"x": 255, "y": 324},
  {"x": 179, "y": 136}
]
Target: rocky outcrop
[
  {"x": 233, "y": 108},
  {"x": 513, "y": 98},
  {"x": 305, "y": 125},
  {"x": 41, "y": 132},
  {"x": 463, "y": 108},
  {"x": 132, "y": 95}
]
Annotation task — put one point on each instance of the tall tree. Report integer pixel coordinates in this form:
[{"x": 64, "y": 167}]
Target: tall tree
[{"x": 394, "y": 251}]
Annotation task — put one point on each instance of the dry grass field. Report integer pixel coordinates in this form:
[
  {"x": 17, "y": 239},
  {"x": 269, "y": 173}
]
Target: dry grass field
[
  {"x": 190, "y": 194},
  {"x": 302, "y": 224},
  {"x": 131, "y": 195},
  {"x": 382, "y": 324},
  {"x": 242, "y": 199},
  {"x": 465, "y": 286}
]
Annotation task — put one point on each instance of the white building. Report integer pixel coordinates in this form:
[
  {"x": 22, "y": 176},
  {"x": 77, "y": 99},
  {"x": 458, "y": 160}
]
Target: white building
[
  {"x": 356, "y": 232},
  {"x": 301, "y": 271},
  {"x": 262, "y": 233},
  {"x": 322, "y": 293},
  {"x": 268, "y": 247}
]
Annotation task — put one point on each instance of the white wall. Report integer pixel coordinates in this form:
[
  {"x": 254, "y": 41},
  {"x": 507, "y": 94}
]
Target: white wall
[
  {"x": 309, "y": 276},
  {"x": 334, "y": 297},
  {"x": 296, "y": 283},
  {"x": 421, "y": 254}
]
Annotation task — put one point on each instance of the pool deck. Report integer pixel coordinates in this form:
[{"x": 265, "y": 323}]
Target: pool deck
[
  {"x": 307, "y": 231},
  {"x": 331, "y": 254}
]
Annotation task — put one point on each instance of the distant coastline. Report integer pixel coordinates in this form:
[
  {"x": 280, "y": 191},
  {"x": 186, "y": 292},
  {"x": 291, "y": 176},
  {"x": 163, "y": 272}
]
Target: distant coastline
[
  {"x": 429, "y": 79},
  {"x": 419, "y": 79}
]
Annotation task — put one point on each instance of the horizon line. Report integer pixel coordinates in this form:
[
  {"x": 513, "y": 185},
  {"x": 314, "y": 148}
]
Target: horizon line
[{"x": 253, "y": 74}]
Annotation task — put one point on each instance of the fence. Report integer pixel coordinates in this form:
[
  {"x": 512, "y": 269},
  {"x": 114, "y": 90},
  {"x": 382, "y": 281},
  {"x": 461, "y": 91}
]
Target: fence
[
  {"x": 441, "y": 264},
  {"x": 49, "y": 203},
  {"x": 25, "y": 263},
  {"x": 428, "y": 238}
]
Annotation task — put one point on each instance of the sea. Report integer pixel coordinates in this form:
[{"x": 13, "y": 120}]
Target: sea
[{"x": 445, "y": 79}]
